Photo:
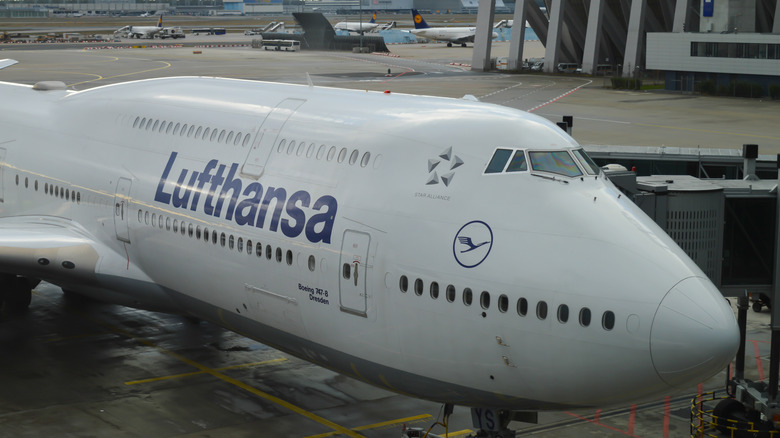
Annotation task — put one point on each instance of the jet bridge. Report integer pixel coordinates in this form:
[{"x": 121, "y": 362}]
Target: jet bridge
[{"x": 729, "y": 227}]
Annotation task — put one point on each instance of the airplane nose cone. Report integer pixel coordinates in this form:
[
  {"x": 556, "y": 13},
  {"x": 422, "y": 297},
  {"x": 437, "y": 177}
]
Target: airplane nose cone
[{"x": 694, "y": 333}]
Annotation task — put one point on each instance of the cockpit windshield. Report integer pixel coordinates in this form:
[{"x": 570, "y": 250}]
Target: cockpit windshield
[
  {"x": 586, "y": 162},
  {"x": 559, "y": 162}
]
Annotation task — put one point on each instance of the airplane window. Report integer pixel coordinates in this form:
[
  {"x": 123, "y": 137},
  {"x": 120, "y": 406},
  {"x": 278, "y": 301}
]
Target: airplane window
[
  {"x": 197, "y": 232},
  {"x": 46, "y": 188},
  {"x": 312, "y": 263},
  {"x": 229, "y": 138},
  {"x": 289, "y": 258},
  {"x": 160, "y": 221},
  {"x": 135, "y": 123},
  {"x": 301, "y": 148},
  {"x": 214, "y": 237},
  {"x": 222, "y": 136},
  {"x": 154, "y": 218},
  {"x": 518, "y": 163},
  {"x": 240, "y": 246},
  {"x": 541, "y": 310},
  {"x": 183, "y": 130},
  {"x": 434, "y": 289},
  {"x": 62, "y": 193},
  {"x": 590, "y": 167},
  {"x": 36, "y": 185},
  {"x": 146, "y": 218},
  {"x": 584, "y": 317},
  {"x": 162, "y": 127},
  {"x": 498, "y": 162},
  {"x": 259, "y": 250},
  {"x": 140, "y": 216},
  {"x": 78, "y": 195},
  {"x": 143, "y": 122},
  {"x": 176, "y": 129},
  {"x": 291, "y": 147},
  {"x": 342, "y": 155},
  {"x": 418, "y": 287},
  {"x": 269, "y": 252},
  {"x": 237, "y": 140},
  {"x": 222, "y": 239},
  {"x": 484, "y": 300},
  {"x": 281, "y": 145},
  {"x": 168, "y": 224},
  {"x": 503, "y": 303},
  {"x": 345, "y": 271},
  {"x": 206, "y": 133},
  {"x": 331, "y": 153},
  {"x": 206, "y": 234},
  {"x": 213, "y": 135},
  {"x": 249, "y": 247},
  {"x": 366, "y": 158},
  {"x": 169, "y": 128},
  {"x": 197, "y": 133},
  {"x": 246, "y": 140},
  {"x": 17, "y": 179},
  {"x": 353, "y": 157},
  {"x": 175, "y": 225},
  {"x": 310, "y": 151},
  {"x": 231, "y": 242},
  {"x": 403, "y": 283},
  {"x": 559, "y": 162},
  {"x": 56, "y": 191},
  {"x": 467, "y": 296},
  {"x": 608, "y": 320},
  {"x": 279, "y": 255},
  {"x": 154, "y": 127},
  {"x": 563, "y": 313},
  {"x": 450, "y": 293},
  {"x": 320, "y": 151},
  {"x": 190, "y": 230}
]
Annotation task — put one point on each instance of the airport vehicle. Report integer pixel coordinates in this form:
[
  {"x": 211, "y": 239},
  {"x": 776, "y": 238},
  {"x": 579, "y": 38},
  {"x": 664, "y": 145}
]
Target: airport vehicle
[
  {"x": 172, "y": 32},
  {"x": 141, "y": 31},
  {"x": 445, "y": 249},
  {"x": 356, "y": 26},
  {"x": 458, "y": 35}
]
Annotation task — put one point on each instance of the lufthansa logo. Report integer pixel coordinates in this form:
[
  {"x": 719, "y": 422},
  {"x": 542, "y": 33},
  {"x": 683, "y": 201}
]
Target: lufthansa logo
[
  {"x": 417, "y": 18},
  {"x": 472, "y": 244}
]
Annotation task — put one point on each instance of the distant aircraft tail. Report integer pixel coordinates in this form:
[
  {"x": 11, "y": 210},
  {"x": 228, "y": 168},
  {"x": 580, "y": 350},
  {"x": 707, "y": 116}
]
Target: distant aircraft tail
[
  {"x": 159, "y": 22},
  {"x": 373, "y": 18},
  {"x": 419, "y": 21}
]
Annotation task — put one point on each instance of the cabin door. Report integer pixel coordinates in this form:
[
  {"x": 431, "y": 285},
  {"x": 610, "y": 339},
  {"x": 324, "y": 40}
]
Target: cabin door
[
  {"x": 352, "y": 272},
  {"x": 122, "y": 209},
  {"x": 266, "y": 137}
]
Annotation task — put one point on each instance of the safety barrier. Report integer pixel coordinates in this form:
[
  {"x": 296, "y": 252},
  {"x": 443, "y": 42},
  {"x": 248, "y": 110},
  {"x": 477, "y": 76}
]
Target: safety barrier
[{"x": 705, "y": 423}]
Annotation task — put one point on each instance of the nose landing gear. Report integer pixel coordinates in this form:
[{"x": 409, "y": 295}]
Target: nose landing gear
[{"x": 15, "y": 294}]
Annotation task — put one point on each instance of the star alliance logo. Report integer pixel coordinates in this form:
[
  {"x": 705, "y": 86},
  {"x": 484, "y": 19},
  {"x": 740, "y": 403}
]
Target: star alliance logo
[{"x": 446, "y": 163}]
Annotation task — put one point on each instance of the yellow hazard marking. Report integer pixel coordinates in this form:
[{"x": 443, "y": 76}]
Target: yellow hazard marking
[{"x": 195, "y": 373}]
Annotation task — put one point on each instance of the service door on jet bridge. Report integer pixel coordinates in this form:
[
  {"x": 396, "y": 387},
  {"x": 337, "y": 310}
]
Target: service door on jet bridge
[
  {"x": 266, "y": 137},
  {"x": 122, "y": 209},
  {"x": 352, "y": 272}
]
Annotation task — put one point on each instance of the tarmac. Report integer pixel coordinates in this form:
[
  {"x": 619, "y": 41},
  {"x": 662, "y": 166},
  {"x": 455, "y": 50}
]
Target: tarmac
[{"x": 70, "y": 367}]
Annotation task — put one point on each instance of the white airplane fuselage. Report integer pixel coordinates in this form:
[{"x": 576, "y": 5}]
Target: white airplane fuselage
[{"x": 349, "y": 228}]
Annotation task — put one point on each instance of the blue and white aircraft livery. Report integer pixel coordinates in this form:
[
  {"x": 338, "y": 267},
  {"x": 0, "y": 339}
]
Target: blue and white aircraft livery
[{"x": 446, "y": 249}]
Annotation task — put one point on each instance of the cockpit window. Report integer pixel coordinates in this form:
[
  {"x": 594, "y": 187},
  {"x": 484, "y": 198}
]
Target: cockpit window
[
  {"x": 518, "y": 163},
  {"x": 559, "y": 162},
  {"x": 498, "y": 162},
  {"x": 590, "y": 167}
]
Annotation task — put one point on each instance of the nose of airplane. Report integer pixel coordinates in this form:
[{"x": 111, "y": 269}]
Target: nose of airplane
[{"x": 694, "y": 333}]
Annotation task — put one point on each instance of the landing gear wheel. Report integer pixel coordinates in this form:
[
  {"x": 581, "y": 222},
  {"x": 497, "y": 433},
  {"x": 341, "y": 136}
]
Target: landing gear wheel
[
  {"x": 18, "y": 295},
  {"x": 449, "y": 44},
  {"x": 757, "y": 306},
  {"x": 463, "y": 45}
]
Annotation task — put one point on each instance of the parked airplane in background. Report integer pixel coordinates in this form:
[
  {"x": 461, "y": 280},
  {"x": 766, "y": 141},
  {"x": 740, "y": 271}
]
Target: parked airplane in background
[
  {"x": 356, "y": 26},
  {"x": 458, "y": 35},
  {"x": 140, "y": 31},
  {"x": 446, "y": 249}
]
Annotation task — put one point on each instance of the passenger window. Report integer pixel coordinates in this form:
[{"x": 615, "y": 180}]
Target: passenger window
[
  {"x": 331, "y": 153},
  {"x": 518, "y": 163},
  {"x": 503, "y": 303},
  {"x": 206, "y": 234},
  {"x": 291, "y": 148},
  {"x": 240, "y": 246},
  {"x": 237, "y": 140},
  {"x": 450, "y": 293},
  {"x": 259, "y": 250},
  {"x": 353, "y": 157},
  {"x": 231, "y": 242},
  {"x": 229, "y": 138},
  {"x": 206, "y": 133},
  {"x": 175, "y": 225},
  {"x": 584, "y": 317},
  {"x": 222, "y": 239},
  {"x": 559, "y": 162},
  {"x": 301, "y": 148},
  {"x": 183, "y": 130},
  {"x": 269, "y": 252},
  {"x": 522, "y": 307},
  {"x": 541, "y": 310},
  {"x": 563, "y": 313},
  {"x": 342, "y": 155},
  {"x": 221, "y": 136},
  {"x": 434, "y": 289},
  {"x": 190, "y": 229},
  {"x": 214, "y": 237},
  {"x": 289, "y": 259},
  {"x": 249, "y": 247},
  {"x": 346, "y": 270},
  {"x": 197, "y": 232},
  {"x": 279, "y": 255},
  {"x": 213, "y": 135},
  {"x": 246, "y": 140},
  {"x": 498, "y": 162},
  {"x": 467, "y": 296},
  {"x": 366, "y": 158},
  {"x": 197, "y": 133},
  {"x": 418, "y": 287},
  {"x": 484, "y": 300},
  {"x": 608, "y": 320},
  {"x": 281, "y": 145},
  {"x": 312, "y": 263},
  {"x": 403, "y": 283}
]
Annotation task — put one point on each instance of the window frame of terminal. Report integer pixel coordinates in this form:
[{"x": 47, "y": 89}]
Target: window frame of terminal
[{"x": 505, "y": 160}]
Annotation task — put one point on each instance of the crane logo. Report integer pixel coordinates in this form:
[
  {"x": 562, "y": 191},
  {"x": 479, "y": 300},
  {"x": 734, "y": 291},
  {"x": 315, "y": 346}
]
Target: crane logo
[{"x": 472, "y": 244}]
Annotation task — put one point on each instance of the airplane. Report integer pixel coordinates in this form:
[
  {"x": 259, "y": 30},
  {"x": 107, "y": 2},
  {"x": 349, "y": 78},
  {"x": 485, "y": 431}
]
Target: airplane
[
  {"x": 357, "y": 27},
  {"x": 340, "y": 233},
  {"x": 461, "y": 35},
  {"x": 141, "y": 31}
]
